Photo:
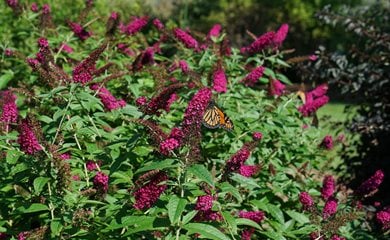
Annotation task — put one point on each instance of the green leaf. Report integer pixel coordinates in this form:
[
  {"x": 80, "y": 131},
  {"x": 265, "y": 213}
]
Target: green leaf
[
  {"x": 205, "y": 230},
  {"x": 13, "y": 156},
  {"x": 56, "y": 227},
  {"x": 39, "y": 183},
  {"x": 175, "y": 208},
  {"x": 5, "y": 77},
  {"x": 247, "y": 222},
  {"x": 169, "y": 163},
  {"x": 299, "y": 217},
  {"x": 229, "y": 189},
  {"x": 189, "y": 216},
  {"x": 35, "y": 207},
  {"x": 276, "y": 213},
  {"x": 202, "y": 173},
  {"x": 231, "y": 221}
]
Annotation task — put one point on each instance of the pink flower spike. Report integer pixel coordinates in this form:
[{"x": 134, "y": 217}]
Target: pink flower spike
[
  {"x": 276, "y": 88},
  {"x": 27, "y": 140},
  {"x": 135, "y": 26},
  {"x": 158, "y": 24},
  {"x": 327, "y": 142},
  {"x": 215, "y": 31},
  {"x": 257, "y": 136},
  {"x": 34, "y": 7},
  {"x": 306, "y": 200},
  {"x": 253, "y": 77},
  {"x": 383, "y": 218},
  {"x": 204, "y": 203},
  {"x": 256, "y": 216},
  {"x": 66, "y": 48},
  {"x": 330, "y": 208},
  {"x": 109, "y": 101},
  {"x": 149, "y": 193},
  {"x": 313, "y": 57},
  {"x": 185, "y": 38},
  {"x": 219, "y": 80},
  {"x": 249, "y": 170},
  {"x": 371, "y": 184},
  {"x": 328, "y": 187},
  {"x": 100, "y": 182},
  {"x": 280, "y": 35}
]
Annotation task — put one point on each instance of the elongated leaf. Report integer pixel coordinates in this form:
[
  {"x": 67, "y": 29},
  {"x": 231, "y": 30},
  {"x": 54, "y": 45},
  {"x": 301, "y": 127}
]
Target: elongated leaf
[
  {"x": 169, "y": 163},
  {"x": 55, "y": 227},
  {"x": 231, "y": 221},
  {"x": 175, "y": 208},
  {"x": 299, "y": 217},
  {"x": 188, "y": 217},
  {"x": 205, "y": 230},
  {"x": 247, "y": 222},
  {"x": 202, "y": 173},
  {"x": 276, "y": 213},
  {"x": 39, "y": 183},
  {"x": 35, "y": 207}
]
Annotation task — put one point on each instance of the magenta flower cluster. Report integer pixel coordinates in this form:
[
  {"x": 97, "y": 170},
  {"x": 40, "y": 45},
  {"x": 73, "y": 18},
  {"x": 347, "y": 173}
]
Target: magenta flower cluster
[
  {"x": 256, "y": 216},
  {"x": 383, "y": 218},
  {"x": 205, "y": 213},
  {"x": 257, "y": 136},
  {"x": 149, "y": 193},
  {"x": 194, "y": 113},
  {"x": 79, "y": 31},
  {"x": 215, "y": 31},
  {"x": 276, "y": 88},
  {"x": 185, "y": 38},
  {"x": 248, "y": 170},
  {"x": 204, "y": 203},
  {"x": 158, "y": 24},
  {"x": 109, "y": 101},
  {"x": 371, "y": 184},
  {"x": 219, "y": 80},
  {"x": 9, "y": 110},
  {"x": 135, "y": 25},
  {"x": 100, "y": 182},
  {"x": 268, "y": 39},
  {"x": 328, "y": 187},
  {"x": 306, "y": 200},
  {"x": 252, "y": 78},
  {"x": 330, "y": 208},
  {"x": 327, "y": 142},
  {"x": 27, "y": 140},
  {"x": 314, "y": 100},
  {"x": 172, "y": 142}
]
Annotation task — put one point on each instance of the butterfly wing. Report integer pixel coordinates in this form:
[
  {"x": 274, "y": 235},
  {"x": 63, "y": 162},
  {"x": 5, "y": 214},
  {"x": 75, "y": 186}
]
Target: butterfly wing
[
  {"x": 211, "y": 117},
  {"x": 214, "y": 117}
]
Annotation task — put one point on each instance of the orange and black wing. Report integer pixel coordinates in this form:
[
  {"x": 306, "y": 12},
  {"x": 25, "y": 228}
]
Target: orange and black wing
[{"x": 211, "y": 117}]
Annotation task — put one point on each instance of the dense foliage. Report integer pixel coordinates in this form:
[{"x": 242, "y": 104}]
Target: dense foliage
[
  {"x": 117, "y": 128},
  {"x": 362, "y": 72}
]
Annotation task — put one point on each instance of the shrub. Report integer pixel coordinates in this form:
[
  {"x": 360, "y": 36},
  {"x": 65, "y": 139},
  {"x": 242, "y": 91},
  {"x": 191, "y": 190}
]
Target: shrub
[{"x": 103, "y": 138}]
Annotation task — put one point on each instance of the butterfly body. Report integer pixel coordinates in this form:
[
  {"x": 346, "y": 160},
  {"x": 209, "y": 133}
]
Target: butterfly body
[{"x": 214, "y": 117}]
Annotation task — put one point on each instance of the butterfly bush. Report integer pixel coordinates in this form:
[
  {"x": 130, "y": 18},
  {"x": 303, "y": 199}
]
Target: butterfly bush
[{"x": 146, "y": 164}]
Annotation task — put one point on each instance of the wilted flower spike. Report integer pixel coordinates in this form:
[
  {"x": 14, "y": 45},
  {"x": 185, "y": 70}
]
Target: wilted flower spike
[
  {"x": 185, "y": 38},
  {"x": 371, "y": 184},
  {"x": 149, "y": 193},
  {"x": 27, "y": 139},
  {"x": 219, "y": 80},
  {"x": 330, "y": 208},
  {"x": 237, "y": 160},
  {"x": 328, "y": 187},
  {"x": 109, "y": 101},
  {"x": 252, "y": 78}
]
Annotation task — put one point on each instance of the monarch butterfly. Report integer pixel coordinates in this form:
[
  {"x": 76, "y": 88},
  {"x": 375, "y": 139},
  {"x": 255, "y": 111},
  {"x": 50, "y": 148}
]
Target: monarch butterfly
[{"x": 214, "y": 117}]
